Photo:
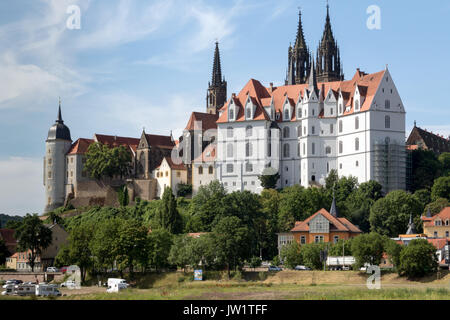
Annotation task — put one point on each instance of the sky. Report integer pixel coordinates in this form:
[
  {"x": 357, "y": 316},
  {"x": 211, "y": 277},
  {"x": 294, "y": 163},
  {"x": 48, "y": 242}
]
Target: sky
[{"x": 133, "y": 64}]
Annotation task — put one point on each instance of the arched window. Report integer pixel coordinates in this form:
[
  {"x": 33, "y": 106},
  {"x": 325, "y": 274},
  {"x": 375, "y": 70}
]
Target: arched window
[
  {"x": 211, "y": 170},
  {"x": 230, "y": 132},
  {"x": 357, "y": 144},
  {"x": 387, "y": 122},
  {"x": 328, "y": 150},
  {"x": 286, "y": 114},
  {"x": 286, "y": 132},
  {"x": 231, "y": 114},
  {"x": 230, "y": 150},
  {"x": 248, "y": 149},
  {"x": 200, "y": 170},
  {"x": 286, "y": 150},
  {"x": 356, "y": 123},
  {"x": 341, "y": 147},
  {"x": 249, "y": 112},
  {"x": 341, "y": 126},
  {"x": 248, "y": 131}
]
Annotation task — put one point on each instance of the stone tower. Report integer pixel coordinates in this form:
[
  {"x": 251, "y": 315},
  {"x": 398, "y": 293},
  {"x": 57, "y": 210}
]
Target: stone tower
[
  {"x": 57, "y": 145},
  {"x": 299, "y": 58},
  {"x": 329, "y": 67},
  {"x": 217, "y": 88}
]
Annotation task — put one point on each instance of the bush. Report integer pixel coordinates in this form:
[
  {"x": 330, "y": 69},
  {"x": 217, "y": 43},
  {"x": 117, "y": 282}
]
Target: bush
[{"x": 418, "y": 259}]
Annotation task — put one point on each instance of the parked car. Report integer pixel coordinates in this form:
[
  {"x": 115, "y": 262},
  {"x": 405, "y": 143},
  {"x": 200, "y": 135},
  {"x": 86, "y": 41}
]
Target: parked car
[
  {"x": 14, "y": 281},
  {"x": 302, "y": 268},
  {"x": 52, "y": 269},
  {"x": 274, "y": 268},
  {"x": 68, "y": 284},
  {"x": 63, "y": 269}
]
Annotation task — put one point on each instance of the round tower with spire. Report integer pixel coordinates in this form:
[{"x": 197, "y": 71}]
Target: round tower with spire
[{"x": 57, "y": 145}]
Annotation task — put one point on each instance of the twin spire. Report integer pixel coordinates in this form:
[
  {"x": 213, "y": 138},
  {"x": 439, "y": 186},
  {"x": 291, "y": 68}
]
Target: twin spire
[{"x": 328, "y": 62}]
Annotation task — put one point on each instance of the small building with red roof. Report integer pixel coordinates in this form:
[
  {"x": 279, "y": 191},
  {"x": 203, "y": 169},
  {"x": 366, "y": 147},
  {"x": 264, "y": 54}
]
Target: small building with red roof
[
  {"x": 437, "y": 226},
  {"x": 170, "y": 174}
]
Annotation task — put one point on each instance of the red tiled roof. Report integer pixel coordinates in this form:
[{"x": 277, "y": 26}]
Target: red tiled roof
[
  {"x": 116, "y": 141},
  {"x": 338, "y": 224},
  {"x": 438, "y": 243},
  {"x": 80, "y": 146},
  {"x": 443, "y": 216},
  {"x": 172, "y": 165},
  {"x": 208, "y": 121},
  {"x": 159, "y": 141},
  {"x": 262, "y": 97}
]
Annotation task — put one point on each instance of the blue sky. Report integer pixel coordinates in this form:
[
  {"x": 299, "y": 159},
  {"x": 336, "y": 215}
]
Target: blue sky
[{"x": 136, "y": 64}]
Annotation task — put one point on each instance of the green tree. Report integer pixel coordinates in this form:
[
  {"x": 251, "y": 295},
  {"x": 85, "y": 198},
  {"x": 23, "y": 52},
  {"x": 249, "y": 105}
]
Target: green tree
[
  {"x": 441, "y": 188},
  {"x": 425, "y": 169},
  {"x": 418, "y": 259},
  {"x": 53, "y": 217},
  {"x": 4, "y": 253},
  {"x": 255, "y": 262},
  {"x": 269, "y": 178},
  {"x": 436, "y": 206},
  {"x": 184, "y": 189},
  {"x": 291, "y": 255},
  {"x": 310, "y": 255},
  {"x": 123, "y": 196},
  {"x": 423, "y": 196},
  {"x": 79, "y": 252},
  {"x": 180, "y": 252},
  {"x": 167, "y": 215},
  {"x": 390, "y": 215},
  {"x": 159, "y": 242},
  {"x": 444, "y": 159},
  {"x": 34, "y": 237},
  {"x": 342, "y": 247},
  {"x": 367, "y": 248},
  {"x": 393, "y": 250},
  {"x": 103, "y": 244},
  {"x": 104, "y": 161},
  {"x": 230, "y": 239},
  {"x": 291, "y": 207},
  {"x": 270, "y": 199}
]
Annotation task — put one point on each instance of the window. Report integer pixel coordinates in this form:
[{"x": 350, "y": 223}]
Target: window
[
  {"x": 387, "y": 122},
  {"x": 249, "y": 167},
  {"x": 313, "y": 130},
  {"x": 231, "y": 114},
  {"x": 210, "y": 170},
  {"x": 341, "y": 127},
  {"x": 328, "y": 167},
  {"x": 335, "y": 239},
  {"x": 249, "y": 113},
  {"x": 304, "y": 149},
  {"x": 248, "y": 131},
  {"x": 328, "y": 150},
  {"x": 357, "y": 144},
  {"x": 286, "y": 132},
  {"x": 356, "y": 123},
  {"x": 167, "y": 174},
  {"x": 229, "y": 168},
  {"x": 341, "y": 147},
  {"x": 299, "y": 112},
  {"x": 298, "y": 150},
  {"x": 230, "y": 132},
  {"x": 269, "y": 150},
  {"x": 286, "y": 150},
  {"x": 446, "y": 234},
  {"x": 340, "y": 166},
  {"x": 304, "y": 130},
  {"x": 331, "y": 111},
  {"x": 357, "y": 163},
  {"x": 438, "y": 223},
  {"x": 357, "y": 105},
  {"x": 286, "y": 114},
  {"x": 230, "y": 150},
  {"x": 318, "y": 239},
  {"x": 49, "y": 174},
  {"x": 302, "y": 240},
  {"x": 248, "y": 149},
  {"x": 313, "y": 148},
  {"x": 313, "y": 112},
  {"x": 299, "y": 131},
  {"x": 435, "y": 234},
  {"x": 178, "y": 174},
  {"x": 200, "y": 170},
  {"x": 387, "y": 104},
  {"x": 331, "y": 128},
  {"x": 49, "y": 161}
]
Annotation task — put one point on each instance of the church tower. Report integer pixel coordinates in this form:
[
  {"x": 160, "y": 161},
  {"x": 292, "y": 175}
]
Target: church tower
[
  {"x": 217, "y": 88},
  {"x": 329, "y": 67},
  {"x": 56, "y": 147},
  {"x": 299, "y": 58}
]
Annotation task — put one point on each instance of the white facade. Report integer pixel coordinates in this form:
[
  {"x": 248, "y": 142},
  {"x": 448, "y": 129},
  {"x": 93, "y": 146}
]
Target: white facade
[{"x": 169, "y": 176}]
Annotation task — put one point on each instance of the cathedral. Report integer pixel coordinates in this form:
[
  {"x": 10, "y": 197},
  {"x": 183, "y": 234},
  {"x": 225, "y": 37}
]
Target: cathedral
[{"x": 314, "y": 123}]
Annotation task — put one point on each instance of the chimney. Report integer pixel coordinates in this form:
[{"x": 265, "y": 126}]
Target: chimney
[
  {"x": 271, "y": 87},
  {"x": 233, "y": 95}
]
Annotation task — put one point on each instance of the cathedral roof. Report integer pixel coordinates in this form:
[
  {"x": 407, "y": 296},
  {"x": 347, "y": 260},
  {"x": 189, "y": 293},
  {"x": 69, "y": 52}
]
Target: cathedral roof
[
  {"x": 116, "y": 141},
  {"x": 208, "y": 121},
  {"x": 336, "y": 224},
  {"x": 368, "y": 85},
  {"x": 420, "y": 138},
  {"x": 80, "y": 146}
]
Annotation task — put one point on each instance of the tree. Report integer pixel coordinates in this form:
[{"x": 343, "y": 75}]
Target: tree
[
  {"x": 436, "y": 206},
  {"x": 290, "y": 254},
  {"x": 269, "y": 178},
  {"x": 159, "y": 242},
  {"x": 441, "y": 188},
  {"x": 104, "y": 161},
  {"x": 393, "y": 250},
  {"x": 291, "y": 207},
  {"x": 4, "y": 253},
  {"x": 230, "y": 239},
  {"x": 310, "y": 255},
  {"x": 425, "y": 169},
  {"x": 184, "y": 189},
  {"x": 390, "y": 215},
  {"x": 34, "y": 237},
  {"x": 423, "y": 196},
  {"x": 54, "y": 218},
  {"x": 418, "y": 259},
  {"x": 342, "y": 247},
  {"x": 79, "y": 251},
  {"x": 255, "y": 262},
  {"x": 123, "y": 196},
  {"x": 270, "y": 199},
  {"x": 179, "y": 254},
  {"x": 167, "y": 215},
  {"x": 444, "y": 159},
  {"x": 103, "y": 244},
  {"x": 367, "y": 248}
]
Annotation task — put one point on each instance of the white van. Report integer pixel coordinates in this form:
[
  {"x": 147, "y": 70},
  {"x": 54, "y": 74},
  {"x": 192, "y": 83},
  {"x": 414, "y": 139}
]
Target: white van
[
  {"x": 25, "y": 290},
  {"x": 115, "y": 285},
  {"x": 45, "y": 290},
  {"x": 9, "y": 290}
]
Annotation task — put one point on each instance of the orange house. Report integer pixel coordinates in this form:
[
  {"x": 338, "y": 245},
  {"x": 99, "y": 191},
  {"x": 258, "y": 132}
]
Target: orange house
[{"x": 324, "y": 227}]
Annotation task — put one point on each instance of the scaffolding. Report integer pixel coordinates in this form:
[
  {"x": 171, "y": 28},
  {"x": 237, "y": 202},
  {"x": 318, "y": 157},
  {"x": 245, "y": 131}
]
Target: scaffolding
[{"x": 390, "y": 165}]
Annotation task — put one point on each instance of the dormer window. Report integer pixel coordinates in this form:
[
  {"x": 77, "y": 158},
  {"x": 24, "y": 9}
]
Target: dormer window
[
  {"x": 249, "y": 112},
  {"x": 357, "y": 105},
  {"x": 299, "y": 112},
  {"x": 438, "y": 223},
  {"x": 231, "y": 114},
  {"x": 286, "y": 114}
]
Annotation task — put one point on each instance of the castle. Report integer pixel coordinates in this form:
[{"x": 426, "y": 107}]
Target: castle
[{"x": 313, "y": 124}]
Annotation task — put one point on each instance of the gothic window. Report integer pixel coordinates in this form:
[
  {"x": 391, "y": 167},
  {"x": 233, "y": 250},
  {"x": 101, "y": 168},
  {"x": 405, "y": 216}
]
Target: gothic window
[
  {"x": 356, "y": 123},
  {"x": 231, "y": 114},
  {"x": 200, "y": 170},
  {"x": 248, "y": 149},
  {"x": 387, "y": 122},
  {"x": 230, "y": 132},
  {"x": 286, "y": 114},
  {"x": 341, "y": 147},
  {"x": 328, "y": 150},
  {"x": 341, "y": 126},
  {"x": 286, "y": 132},
  {"x": 357, "y": 144},
  {"x": 286, "y": 150},
  {"x": 230, "y": 150},
  {"x": 387, "y": 104},
  {"x": 248, "y": 131},
  {"x": 249, "y": 113}
]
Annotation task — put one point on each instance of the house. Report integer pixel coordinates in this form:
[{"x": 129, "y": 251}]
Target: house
[
  {"x": 203, "y": 171},
  {"x": 437, "y": 226},
  {"x": 422, "y": 139},
  {"x": 170, "y": 174}
]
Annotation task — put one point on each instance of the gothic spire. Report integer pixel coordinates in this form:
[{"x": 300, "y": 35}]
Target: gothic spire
[
  {"x": 312, "y": 80},
  {"x": 59, "y": 119},
  {"x": 411, "y": 226},
  {"x": 217, "y": 70},
  {"x": 300, "y": 40},
  {"x": 333, "y": 209}
]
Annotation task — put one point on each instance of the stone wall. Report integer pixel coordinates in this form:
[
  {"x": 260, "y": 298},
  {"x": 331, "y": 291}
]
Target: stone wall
[
  {"x": 30, "y": 276},
  {"x": 144, "y": 189},
  {"x": 93, "y": 192}
]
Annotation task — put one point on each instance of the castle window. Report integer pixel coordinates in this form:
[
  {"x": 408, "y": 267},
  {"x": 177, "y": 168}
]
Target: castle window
[
  {"x": 331, "y": 128},
  {"x": 387, "y": 122},
  {"x": 340, "y": 107},
  {"x": 286, "y": 132},
  {"x": 71, "y": 160},
  {"x": 286, "y": 150},
  {"x": 304, "y": 130},
  {"x": 341, "y": 126},
  {"x": 249, "y": 167},
  {"x": 313, "y": 130},
  {"x": 313, "y": 148},
  {"x": 299, "y": 112},
  {"x": 313, "y": 112},
  {"x": 298, "y": 149},
  {"x": 304, "y": 149},
  {"x": 210, "y": 170},
  {"x": 71, "y": 173},
  {"x": 328, "y": 150},
  {"x": 331, "y": 111},
  {"x": 230, "y": 132},
  {"x": 341, "y": 146},
  {"x": 231, "y": 114},
  {"x": 200, "y": 170},
  {"x": 49, "y": 161},
  {"x": 357, "y": 163},
  {"x": 356, "y": 123},
  {"x": 269, "y": 150},
  {"x": 299, "y": 131},
  {"x": 328, "y": 167},
  {"x": 357, "y": 105},
  {"x": 49, "y": 174},
  {"x": 286, "y": 114},
  {"x": 357, "y": 144},
  {"x": 248, "y": 149},
  {"x": 249, "y": 113},
  {"x": 229, "y": 150},
  {"x": 387, "y": 104},
  {"x": 248, "y": 131},
  {"x": 229, "y": 168}
]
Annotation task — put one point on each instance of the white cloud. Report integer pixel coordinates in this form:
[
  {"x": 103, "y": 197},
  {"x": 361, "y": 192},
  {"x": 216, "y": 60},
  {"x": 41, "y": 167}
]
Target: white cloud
[{"x": 21, "y": 187}]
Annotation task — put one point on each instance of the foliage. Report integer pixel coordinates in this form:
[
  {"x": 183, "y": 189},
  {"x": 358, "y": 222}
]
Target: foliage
[
  {"x": 53, "y": 217},
  {"x": 437, "y": 206},
  {"x": 270, "y": 199},
  {"x": 180, "y": 252},
  {"x": 425, "y": 169},
  {"x": 367, "y": 248},
  {"x": 444, "y": 159},
  {"x": 33, "y": 236},
  {"x": 390, "y": 215},
  {"x": 131, "y": 245},
  {"x": 393, "y": 250},
  {"x": 269, "y": 178},
  {"x": 167, "y": 216},
  {"x": 123, "y": 197},
  {"x": 441, "y": 188},
  {"x": 423, "y": 196},
  {"x": 104, "y": 161},
  {"x": 310, "y": 255},
  {"x": 342, "y": 247},
  {"x": 184, "y": 190},
  {"x": 159, "y": 242},
  {"x": 10, "y": 222},
  {"x": 3, "y": 252},
  {"x": 255, "y": 262},
  {"x": 290, "y": 254},
  {"x": 103, "y": 244},
  {"x": 418, "y": 259}
]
